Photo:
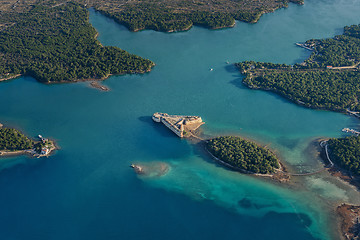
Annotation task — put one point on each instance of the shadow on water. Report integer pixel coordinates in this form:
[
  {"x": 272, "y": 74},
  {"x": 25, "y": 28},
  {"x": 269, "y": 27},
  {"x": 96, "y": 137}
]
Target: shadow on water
[
  {"x": 305, "y": 54},
  {"x": 238, "y": 83},
  {"x": 158, "y": 127},
  {"x": 154, "y": 146},
  {"x": 146, "y": 119},
  {"x": 231, "y": 68},
  {"x": 339, "y": 31},
  {"x": 246, "y": 203}
]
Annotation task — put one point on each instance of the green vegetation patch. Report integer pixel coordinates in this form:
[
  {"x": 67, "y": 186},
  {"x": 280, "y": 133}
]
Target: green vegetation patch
[
  {"x": 58, "y": 44},
  {"x": 178, "y": 15},
  {"x": 145, "y": 16},
  {"x": 169, "y": 15},
  {"x": 329, "y": 79},
  {"x": 346, "y": 153},
  {"x": 13, "y": 140},
  {"x": 243, "y": 154}
]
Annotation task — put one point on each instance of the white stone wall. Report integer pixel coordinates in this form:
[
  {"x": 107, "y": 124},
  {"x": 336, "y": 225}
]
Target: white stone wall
[{"x": 172, "y": 127}]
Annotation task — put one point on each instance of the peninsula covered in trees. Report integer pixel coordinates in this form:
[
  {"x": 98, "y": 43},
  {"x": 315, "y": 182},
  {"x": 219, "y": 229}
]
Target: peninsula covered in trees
[
  {"x": 329, "y": 79},
  {"x": 346, "y": 153},
  {"x": 13, "y": 141},
  {"x": 53, "y": 41},
  {"x": 170, "y": 15},
  {"x": 57, "y": 44},
  {"x": 243, "y": 155},
  {"x": 178, "y": 15}
]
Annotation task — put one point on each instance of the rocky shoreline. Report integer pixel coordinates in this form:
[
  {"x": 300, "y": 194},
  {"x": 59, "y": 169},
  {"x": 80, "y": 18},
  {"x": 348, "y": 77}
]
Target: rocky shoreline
[
  {"x": 349, "y": 214},
  {"x": 290, "y": 99},
  {"x": 98, "y": 85},
  {"x": 31, "y": 152},
  {"x": 43, "y": 147},
  {"x": 10, "y": 77},
  {"x": 350, "y": 221}
]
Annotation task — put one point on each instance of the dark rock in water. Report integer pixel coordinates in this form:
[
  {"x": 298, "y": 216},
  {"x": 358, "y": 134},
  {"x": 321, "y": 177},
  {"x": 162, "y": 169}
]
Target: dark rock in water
[
  {"x": 137, "y": 168},
  {"x": 151, "y": 169},
  {"x": 245, "y": 203},
  {"x": 260, "y": 206}
]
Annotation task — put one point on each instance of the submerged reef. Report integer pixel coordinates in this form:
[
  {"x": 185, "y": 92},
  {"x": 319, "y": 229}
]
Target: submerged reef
[{"x": 151, "y": 169}]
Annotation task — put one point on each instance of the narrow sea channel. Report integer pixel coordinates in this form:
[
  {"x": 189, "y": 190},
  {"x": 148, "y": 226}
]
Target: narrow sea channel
[{"x": 87, "y": 189}]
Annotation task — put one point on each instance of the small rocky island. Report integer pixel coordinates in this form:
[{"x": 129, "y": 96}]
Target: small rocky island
[
  {"x": 243, "y": 155},
  {"x": 183, "y": 126},
  {"x": 151, "y": 169},
  {"x": 13, "y": 142}
]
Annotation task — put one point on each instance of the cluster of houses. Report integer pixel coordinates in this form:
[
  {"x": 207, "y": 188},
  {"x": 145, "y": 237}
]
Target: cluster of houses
[{"x": 44, "y": 150}]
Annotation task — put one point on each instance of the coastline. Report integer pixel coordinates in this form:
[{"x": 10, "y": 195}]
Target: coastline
[
  {"x": 337, "y": 171},
  {"x": 98, "y": 86},
  {"x": 280, "y": 174},
  {"x": 5, "y": 154},
  {"x": 350, "y": 221},
  {"x": 11, "y": 77},
  {"x": 100, "y": 79},
  {"x": 348, "y": 215},
  {"x": 29, "y": 152},
  {"x": 233, "y": 14},
  {"x": 292, "y": 100},
  {"x": 187, "y": 28},
  {"x": 41, "y": 148}
]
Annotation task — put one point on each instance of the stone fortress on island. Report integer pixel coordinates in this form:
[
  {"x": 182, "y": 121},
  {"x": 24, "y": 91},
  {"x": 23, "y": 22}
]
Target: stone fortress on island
[{"x": 180, "y": 125}]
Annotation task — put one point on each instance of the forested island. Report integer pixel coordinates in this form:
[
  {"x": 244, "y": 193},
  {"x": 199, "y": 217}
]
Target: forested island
[
  {"x": 329, "y": 79},
  {"x": 58, "y": 44},
  {"x": 243, "y": 155},
  {"x": 12, "y": 142},
  {"x": 172, "y": 15}
]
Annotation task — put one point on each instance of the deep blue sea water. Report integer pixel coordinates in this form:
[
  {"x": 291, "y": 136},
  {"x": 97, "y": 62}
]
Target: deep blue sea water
[{"x": 87, "y": 190}]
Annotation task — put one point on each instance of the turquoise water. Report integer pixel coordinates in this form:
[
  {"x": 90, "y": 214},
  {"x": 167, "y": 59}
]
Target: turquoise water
[{"x": 87, "y": 190}]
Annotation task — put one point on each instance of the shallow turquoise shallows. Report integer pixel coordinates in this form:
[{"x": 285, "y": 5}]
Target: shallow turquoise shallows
[{"x": 87, "y": 189}]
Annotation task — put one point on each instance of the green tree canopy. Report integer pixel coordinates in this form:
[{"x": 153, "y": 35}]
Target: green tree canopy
[
  {"x": 58, "y": 44},
  {"x": 243, "y": 154}
]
